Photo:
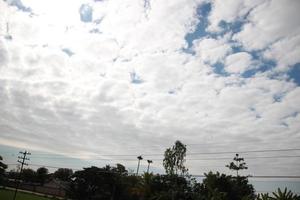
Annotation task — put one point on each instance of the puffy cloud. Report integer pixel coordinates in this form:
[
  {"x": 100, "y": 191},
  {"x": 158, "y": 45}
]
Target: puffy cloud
[
  {"x": 229, "y": 11},
  {"x": 238, "y": 62},
  {"x": 212, "y": 50},
  {"x": 285, "y": 52},
  {"x": 269, "y": 22}
]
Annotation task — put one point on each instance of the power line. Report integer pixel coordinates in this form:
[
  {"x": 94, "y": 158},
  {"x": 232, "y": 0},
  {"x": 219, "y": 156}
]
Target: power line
[
  {"x": 189, "y": 144},
  {"x": 193, "y": 153}
]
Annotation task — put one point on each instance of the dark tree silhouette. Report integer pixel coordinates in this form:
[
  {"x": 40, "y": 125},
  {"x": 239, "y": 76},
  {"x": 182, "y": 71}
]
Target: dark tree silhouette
[
  {"x": 29, "y": 175},
  {"x": 42, "y": 174},
  {"x": 63, "y": 174},
  {"x": 99, "y": 183},
  {"x": 175, "y": 158},
  {"x": 224, "y": 187},
  {"x": 238, "y": 165},
  {"x": 3, "y": 167}
]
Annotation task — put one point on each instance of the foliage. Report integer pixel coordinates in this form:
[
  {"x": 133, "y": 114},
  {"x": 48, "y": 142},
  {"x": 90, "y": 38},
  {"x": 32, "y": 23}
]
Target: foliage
[
  {"x": 63, "y": 174},
  {"x": 29, "y": 175},
  {"x": 221, "y": 186},
  {"x": 99, "y": 183},
  {"x": 2, "y": 170},
  {"x": 41, "y": 175},
  {"x": 175, "y": 158},
  {"x": 284, "y": 195},
  {"x": 263, "y": 196},
  {"x": 279, "y": 195},
  {"x": 238, "y": 165}
]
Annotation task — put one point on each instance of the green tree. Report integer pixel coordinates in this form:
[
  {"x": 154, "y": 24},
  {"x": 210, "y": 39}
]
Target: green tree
[
  {"x": 174, "y": 159},
  {"x": 224, "y": 187},
  {"x": 41, "y": 175},
  {"x": 100, "y": 183},
  {"x": 3, "y": 167},
  {"x": 239, "y": 164},
  {"x": 63, "y": 174}
]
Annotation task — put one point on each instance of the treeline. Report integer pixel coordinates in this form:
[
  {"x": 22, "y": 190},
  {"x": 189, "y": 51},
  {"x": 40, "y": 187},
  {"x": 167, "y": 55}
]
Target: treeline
[{"x": 116, "y": 183}]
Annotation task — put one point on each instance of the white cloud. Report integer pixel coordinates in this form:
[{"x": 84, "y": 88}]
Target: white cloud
[
  {"x": 238, "y": 62},
  {"x": 212, "y": 50},
  {"x": 285, "y": 52},
  {"x": 229, "y": 11},
  {"x": 270, "y": 22},
  {"x": 48, "y": 98}
]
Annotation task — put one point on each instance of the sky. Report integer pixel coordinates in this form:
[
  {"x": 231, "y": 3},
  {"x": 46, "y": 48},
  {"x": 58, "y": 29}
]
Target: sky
[{"x": 100, "y": 82}]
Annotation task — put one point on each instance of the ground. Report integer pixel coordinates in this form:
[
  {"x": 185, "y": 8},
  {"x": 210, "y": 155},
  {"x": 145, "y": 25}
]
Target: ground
[{"x": 8, "y": 195}]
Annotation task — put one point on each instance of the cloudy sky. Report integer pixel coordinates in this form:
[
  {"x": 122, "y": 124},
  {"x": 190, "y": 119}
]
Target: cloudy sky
[{"x": 112, "y": 79}]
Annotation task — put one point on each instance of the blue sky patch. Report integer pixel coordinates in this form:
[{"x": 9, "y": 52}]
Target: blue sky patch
[
  {"x": 233, "y": 27},
  {"x": 202, "y": 13},
  {"x": 19, "y": 5},
  {"x": 294, "y": 74},
  {"x": 86, "y": 13},
  {"x": 218, "y": 68}
]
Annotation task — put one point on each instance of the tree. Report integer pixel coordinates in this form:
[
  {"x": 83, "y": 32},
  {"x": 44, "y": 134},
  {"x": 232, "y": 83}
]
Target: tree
[
  {"x": 29, "y": 175},
  {"x": 224, "y": 187},
  {"x": 175, "y": 158},
  {"x": 3, "y": 167},
  {"x": 284, "y": 195},
  {"x": 63, "y": 174},
  {"x": 42, "y": 174},
  {"x": 238, "y": 165},
  {"x": 99, "y": 183}
]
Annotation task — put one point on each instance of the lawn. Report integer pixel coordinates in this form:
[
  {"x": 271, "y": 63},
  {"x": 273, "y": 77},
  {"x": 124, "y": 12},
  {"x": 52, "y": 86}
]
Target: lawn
[{"x": 8, "y": 195}]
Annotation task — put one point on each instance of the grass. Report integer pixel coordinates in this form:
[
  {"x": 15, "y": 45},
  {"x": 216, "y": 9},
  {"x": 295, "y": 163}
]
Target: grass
[{"x": 8, "y": 195}]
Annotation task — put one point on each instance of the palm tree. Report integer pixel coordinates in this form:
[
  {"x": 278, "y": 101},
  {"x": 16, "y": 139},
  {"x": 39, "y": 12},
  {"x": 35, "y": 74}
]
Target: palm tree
[
  {"x": 138, "y": 167},
  {"x": 285, "y": 195},
  {"x": 149, "y": 162}
]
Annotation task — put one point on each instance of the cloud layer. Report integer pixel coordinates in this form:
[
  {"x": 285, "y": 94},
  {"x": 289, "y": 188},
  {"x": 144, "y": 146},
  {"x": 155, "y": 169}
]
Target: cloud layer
[{"x": 119, "y": 77}]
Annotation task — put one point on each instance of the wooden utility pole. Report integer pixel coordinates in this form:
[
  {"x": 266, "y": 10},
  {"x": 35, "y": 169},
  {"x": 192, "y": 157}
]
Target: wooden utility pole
[{"x": 21, "y": 160}]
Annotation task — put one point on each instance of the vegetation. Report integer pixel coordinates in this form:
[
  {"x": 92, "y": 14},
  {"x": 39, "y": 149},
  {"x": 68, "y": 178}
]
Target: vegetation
[
  {"x": 41, "y": 175},
  {"x": 238, "y": 165},
  {"x": 175, "y": 158},
  {"x": 2, "y": 170},
  {"x": 63, "y": 174},
  {"x": 116, "y": 183}
]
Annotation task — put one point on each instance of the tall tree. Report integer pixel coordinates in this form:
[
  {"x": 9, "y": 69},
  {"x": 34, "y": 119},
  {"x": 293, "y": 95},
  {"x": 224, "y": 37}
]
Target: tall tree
[
  {"x": 42, "y": 174},
  {"x": 175, "y": 158},
  {"x": 239, "y": 164},
  {"x": 2, "y": 170}
]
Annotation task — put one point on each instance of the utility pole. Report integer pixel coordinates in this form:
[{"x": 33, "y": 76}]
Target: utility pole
[
  {"x": 21, "y": 160},
  {"x": 138, "y": 167},
  {"x": 149, "y": 162}
]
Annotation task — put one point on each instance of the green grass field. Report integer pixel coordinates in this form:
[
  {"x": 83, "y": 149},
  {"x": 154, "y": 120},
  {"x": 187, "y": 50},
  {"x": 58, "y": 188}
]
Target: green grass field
[{"x": 8, "y": 195}]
